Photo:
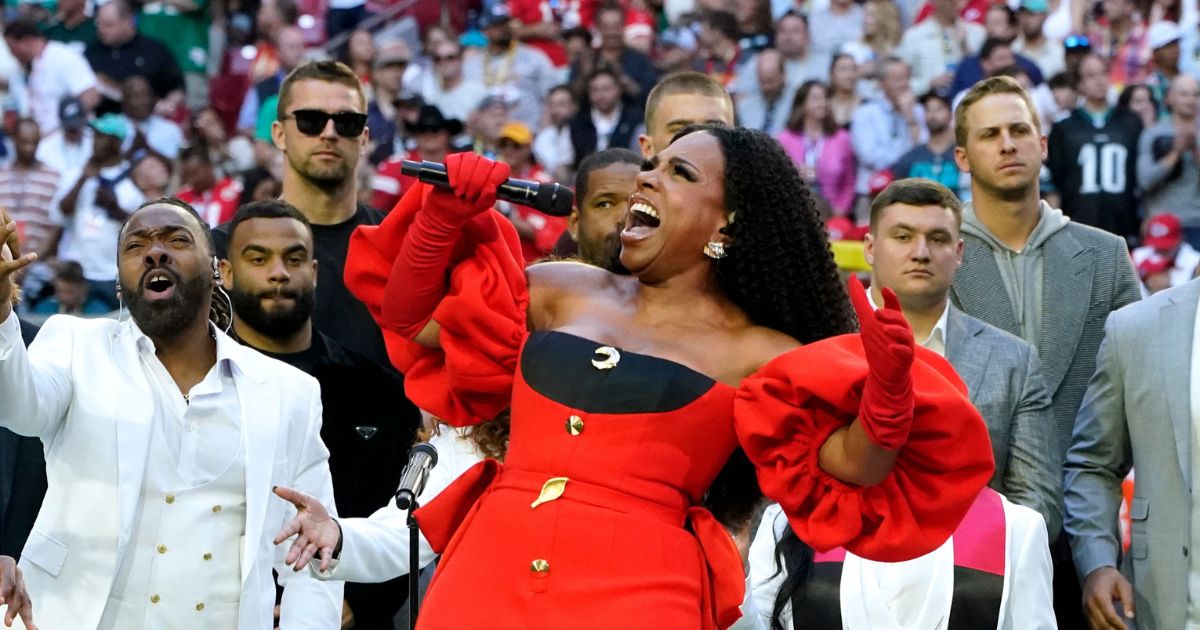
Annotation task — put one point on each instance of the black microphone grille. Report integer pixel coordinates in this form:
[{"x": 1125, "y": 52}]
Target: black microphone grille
[{"x": 555, "y": 199}]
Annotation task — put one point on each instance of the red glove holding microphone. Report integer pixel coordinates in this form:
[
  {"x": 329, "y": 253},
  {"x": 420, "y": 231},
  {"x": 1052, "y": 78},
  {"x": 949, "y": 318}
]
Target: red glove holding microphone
[
  {"x": 420, "y": 268},
  {"x": 886, "y": 411}
]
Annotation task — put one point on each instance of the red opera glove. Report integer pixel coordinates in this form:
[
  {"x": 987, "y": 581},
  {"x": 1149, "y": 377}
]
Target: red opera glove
[
  {"x": 417, "y": 281},
  {"x": 886, "y": 411}
]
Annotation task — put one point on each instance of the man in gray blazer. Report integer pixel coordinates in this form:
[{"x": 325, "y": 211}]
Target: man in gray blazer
[
  {"x": 1029, "y": 270},
  {"x": 1138, "y": 412},
  {"x": 914, "y": 249}
]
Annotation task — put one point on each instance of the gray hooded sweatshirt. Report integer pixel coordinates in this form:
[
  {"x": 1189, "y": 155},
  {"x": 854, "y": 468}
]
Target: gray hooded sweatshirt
[{"x": 1021, "y": 270}]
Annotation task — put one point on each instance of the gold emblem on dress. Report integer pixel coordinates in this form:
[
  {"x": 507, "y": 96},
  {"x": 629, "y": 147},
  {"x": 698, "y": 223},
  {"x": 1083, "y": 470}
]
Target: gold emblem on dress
[
  {"x": 539, "y": 567},
  {"x": 574, "y": 425},
  {"x": 610, "y": 358},
  {"x": 551, "y": 490}
]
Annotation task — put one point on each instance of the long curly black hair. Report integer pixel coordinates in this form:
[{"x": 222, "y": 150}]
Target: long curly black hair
[{"x": 778, "y": 269}]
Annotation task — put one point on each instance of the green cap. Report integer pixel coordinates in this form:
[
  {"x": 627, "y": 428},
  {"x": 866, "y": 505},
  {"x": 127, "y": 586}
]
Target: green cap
[{"x": 111, "y": 125}]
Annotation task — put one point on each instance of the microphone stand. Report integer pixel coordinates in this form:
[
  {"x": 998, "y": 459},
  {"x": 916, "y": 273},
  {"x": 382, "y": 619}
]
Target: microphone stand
[{"x": 414, "y": 573}]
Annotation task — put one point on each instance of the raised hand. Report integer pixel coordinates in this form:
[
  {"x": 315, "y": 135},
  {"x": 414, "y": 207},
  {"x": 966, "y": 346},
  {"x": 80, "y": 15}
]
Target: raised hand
[
  {"x": 9, "y": 266},
  {"x": 318, "y": 533},
  {"x": 473, "y": 181},
  {"x": 13, "y": 593},
  {"x": 887, "y": 403}
]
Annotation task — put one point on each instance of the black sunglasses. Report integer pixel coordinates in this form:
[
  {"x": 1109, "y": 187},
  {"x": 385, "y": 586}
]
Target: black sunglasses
[{"x": 311, "y": 122}]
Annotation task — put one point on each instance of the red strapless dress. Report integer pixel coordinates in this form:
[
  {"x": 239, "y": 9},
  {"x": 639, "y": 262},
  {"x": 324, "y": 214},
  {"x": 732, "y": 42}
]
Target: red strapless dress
[{"x": 593, "y": 521}]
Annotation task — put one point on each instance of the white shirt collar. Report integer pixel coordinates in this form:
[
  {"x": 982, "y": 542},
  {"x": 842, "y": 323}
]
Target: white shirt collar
[
  {"x": 145, "y": 345},
  {"x": 936, "y": 340}
]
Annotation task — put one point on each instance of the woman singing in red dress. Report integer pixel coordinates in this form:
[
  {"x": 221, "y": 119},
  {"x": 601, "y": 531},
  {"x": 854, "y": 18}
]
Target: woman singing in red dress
[{"x": 630, "y": 394}]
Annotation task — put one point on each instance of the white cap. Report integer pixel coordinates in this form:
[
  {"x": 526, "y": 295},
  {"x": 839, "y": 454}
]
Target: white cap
[{"x": 1162, "y": 33}]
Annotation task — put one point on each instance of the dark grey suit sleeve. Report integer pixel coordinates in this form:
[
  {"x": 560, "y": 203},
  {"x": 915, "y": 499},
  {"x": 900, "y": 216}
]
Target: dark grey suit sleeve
[
  {"x": 1098, "y": 459},
  {"x": 1033, "y": 478}
]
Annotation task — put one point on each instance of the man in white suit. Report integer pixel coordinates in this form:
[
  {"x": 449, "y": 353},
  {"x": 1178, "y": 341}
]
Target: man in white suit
[{"x": 163, "y": 440}]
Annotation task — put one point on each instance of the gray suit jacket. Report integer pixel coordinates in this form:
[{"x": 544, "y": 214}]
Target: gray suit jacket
[
  {"x": 1087, "y": 274},
  {"x": 1137, "y": 412},
  {"x": 1004, "y": 380}
]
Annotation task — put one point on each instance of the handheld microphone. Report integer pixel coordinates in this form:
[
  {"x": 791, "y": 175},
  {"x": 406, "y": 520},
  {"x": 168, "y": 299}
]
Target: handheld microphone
[
  {"x": 553, "y": 198},
  {"x": 422, "y": 458}
]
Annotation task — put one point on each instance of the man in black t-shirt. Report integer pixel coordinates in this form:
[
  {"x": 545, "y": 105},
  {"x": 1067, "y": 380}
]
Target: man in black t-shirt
[
  {"x": 1093, "y": 157},
  {"x": 368, "y": 426}
]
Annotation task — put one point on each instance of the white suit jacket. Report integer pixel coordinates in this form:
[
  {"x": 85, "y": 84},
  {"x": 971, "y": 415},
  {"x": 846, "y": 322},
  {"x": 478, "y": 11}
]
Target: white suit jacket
[{"x": 81, "y": 389}]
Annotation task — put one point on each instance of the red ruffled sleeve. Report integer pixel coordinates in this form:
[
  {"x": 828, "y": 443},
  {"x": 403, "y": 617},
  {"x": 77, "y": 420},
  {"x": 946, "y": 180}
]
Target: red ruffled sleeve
[
  {"x": 786, "y": 411},
  {"x": 482, "y": 318}
]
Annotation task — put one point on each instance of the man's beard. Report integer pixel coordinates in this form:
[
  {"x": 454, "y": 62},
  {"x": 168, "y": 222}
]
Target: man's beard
[
  {"x": 162, "y": 319},
  {"x": 327, "y": 178},
  {"x": 609, "y": 254},
  {"x": 278, "y": 323}
]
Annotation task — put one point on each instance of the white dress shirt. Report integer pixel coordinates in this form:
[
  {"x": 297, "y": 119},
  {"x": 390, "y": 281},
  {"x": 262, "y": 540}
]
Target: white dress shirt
[
  {"x": 1193, "y": 606},
  {"x": 203, "y": 429},
  {"x": 936, "y": 340}
]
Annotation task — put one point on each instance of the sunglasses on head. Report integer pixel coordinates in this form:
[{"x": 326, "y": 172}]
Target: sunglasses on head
[{"x": 311, "y": 122}]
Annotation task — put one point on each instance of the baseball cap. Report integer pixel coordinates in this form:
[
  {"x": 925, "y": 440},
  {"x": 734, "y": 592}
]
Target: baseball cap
[
  {"x": 71, "y": 114},
  {"x": 1162, "y": 33},
  {"x": 1077, "y": 43},
  {"x": 1035, "y": 6},
  {"x": 496, "y": 14},
  {"x": 408, "y": 98},
  {"x": 878, "y": 181},
  {"x": 1156, "y": 263},
  {"x": 1163, "y": 232},
  {"x": 517, "y": 132},
  {"x": 111, "y": 125},
  {"x": 678, "y": 37}
]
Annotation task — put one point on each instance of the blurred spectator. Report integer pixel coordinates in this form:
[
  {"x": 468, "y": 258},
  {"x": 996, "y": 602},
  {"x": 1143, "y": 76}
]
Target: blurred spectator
[
  {"x": 844, "y": 95},
  {"x": 1168, "y": 164},
  {"x": 1066, "y": 99},
  {"x": 94, "y": 207},
  {"x": 1000, "y": 21},
  {"x": 996, "y": 53},
  {"x": 230, "y": 156},
  {"x": 820, "y": 149},
  {"x": 552, "y": 144},
  {"x": 720, "y": 57},
  {"x": 272, "y": 15},
  {"x": 755, "y": 27},
  {"x": 27, "y": 190},
  {"x": 1032, "y": 41},
  {"x": 540, "y": 24},
  {"x": 183, "y": 27},
  {"x": 607, "y": 122},
  {"x": 343, "y": 16},
  {"x": 679, "y": 100},
  {"x": 935, "y": 159},
  {"x": 72, "y": 25},
  {"x": 974, "y": 11},
  {"x": 359, "y": 54},
  {"x": 635, "y": 72},
  {"x": 578, "y": 43},
  {"x": 151, "y": 174},
  {"x": 406, "y": 108},
  {"x": 432, "y": 133},
  {"x": 1075, "y": 48},
  {"x": 122, "y": 52},
  {"x": 518, "y": 73},
  {"x": 676, "y": 50},
  {"x": 446, "y": 87},
  {"x": 800, "y": 65},
  {"x": 1162, "y": 240},
  {"x": 881, "y": 34},
  {"x": 884, "y": 129},
  {"x": 1140, "y": 101},
  {"x": 387, "y": 84},
  {"x": 485, "y": 123},
  {"x": 70, "y": 147},
  {"x": 289, "y": 46},
  {"x": 1121, "y": 40},
  {"x": 839, "y": 23},
  {"x": 70, "y": 294},
  {"x": 258, "y": 184},
  {"x": 215, "y": 200},
  {"x": 767, "y": 106},
  {"x": 51, "y": 71},
  {"x": 1163, "y": 39},
  {"x": 539, "y": 232},
  {"x": 933, "y": 48},
  {"x": 147, "y": 129},
  {"x": 1154, "y": 272},
  {"x": 1093, "y": 157}
]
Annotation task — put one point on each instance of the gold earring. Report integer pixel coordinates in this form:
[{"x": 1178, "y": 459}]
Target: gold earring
[{"x": 715, "y": 250}]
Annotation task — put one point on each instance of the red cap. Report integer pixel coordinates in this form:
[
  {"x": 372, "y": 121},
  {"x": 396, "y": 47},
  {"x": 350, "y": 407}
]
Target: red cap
[
  {"x": 1163, "y": 232},
  {"x": 878, "y": 181},
  {"x": 1152, "y": 265}
]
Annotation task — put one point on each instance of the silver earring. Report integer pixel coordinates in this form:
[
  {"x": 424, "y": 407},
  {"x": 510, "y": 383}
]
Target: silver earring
[
  {"x": 715, "y": 250},
  {"x": 216, "y": 269}
]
